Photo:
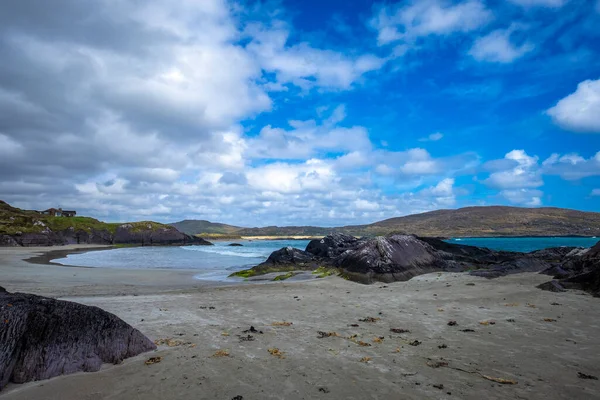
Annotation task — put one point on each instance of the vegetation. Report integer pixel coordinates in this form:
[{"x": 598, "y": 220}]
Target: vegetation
[
  {"x": 323, "y": 272},
  {"x": 263, "y": 269},
  {"x": 14, "y": 220},
  {"x": 285, "y": 276}
]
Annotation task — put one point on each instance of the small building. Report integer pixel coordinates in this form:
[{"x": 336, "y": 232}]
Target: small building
[
  {"x": 51, "y": 211},
  {"x": 58, "y": 212}
]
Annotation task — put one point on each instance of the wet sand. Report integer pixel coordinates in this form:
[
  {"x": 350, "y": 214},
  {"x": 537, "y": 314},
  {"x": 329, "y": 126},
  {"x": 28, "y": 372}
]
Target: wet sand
[{"x": 542, "y": 356}]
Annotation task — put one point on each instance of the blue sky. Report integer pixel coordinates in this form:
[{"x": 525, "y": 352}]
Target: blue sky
[{"x": 286, "y": 112}]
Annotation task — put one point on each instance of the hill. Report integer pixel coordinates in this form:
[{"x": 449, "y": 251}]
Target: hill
[
  {"x": 30, "y": 228},
  {"x": 463, "y": 222},
  {"x": 492, "y": 221},
  {"x": 201, "y": 227}
]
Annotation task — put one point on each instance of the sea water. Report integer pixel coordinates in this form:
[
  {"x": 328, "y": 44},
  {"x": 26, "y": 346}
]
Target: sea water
[
  {"x": 526, "y": 244},
  {"x": 217, "y": 262},
  {"x": 212, "y": 262}
]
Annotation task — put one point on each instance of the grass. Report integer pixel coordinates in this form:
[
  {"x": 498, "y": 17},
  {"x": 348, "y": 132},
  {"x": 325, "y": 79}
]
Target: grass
[
  {"x": 285, "y": 276},
  {"x": 323, "y": 272},
  {"x": 262, "y": 270},
  {"x": 14, "y": 221}
]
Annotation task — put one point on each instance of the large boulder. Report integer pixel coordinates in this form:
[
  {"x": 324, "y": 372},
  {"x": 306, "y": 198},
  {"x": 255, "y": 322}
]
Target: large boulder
[
  {"x": 290, "y": 256},
  {"x": 42, "y": 338},
  {"x": 580, "y": 269},
  {"x": 332, "y": 245},
  {"x": 388, "y": 259}
]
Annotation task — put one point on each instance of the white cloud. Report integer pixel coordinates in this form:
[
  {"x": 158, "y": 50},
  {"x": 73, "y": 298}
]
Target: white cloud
[
  {"x": 572, "y": 166},
  {"x": 434, "y": 137},
  {"x": 428, "y": 17},
  {"x": 526, "y": 197},
  {"x": 443, "y": 193},
  {"x": 307, "y": 138},
  {"x": 543, "y": 3},
  {"x": 579, "y": 111},
  {"x": 498, "y": 47},
  {"x": 303, "y": 65},
  {"x": 520, "y": 171}
]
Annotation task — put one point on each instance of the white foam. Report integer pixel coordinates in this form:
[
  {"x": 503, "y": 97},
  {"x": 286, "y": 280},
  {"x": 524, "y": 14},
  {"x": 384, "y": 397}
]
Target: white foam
[{"x": 247, "y": 253}]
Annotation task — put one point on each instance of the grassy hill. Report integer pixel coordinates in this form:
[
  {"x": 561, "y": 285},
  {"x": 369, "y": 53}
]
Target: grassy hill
[
  {"x": 463, "y": 222},
  {"x": 16, "y": 221}
]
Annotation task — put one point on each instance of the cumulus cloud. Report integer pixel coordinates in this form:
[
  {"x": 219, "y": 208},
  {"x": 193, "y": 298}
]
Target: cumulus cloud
[
  {"x": 498, "y": 47},
  {"x": 516, "y": 171},
  {"x": 579, "y": 111},
  {"x": 418, "y": 18},
  {"x": 572, "y": 166},
  {"x": 303, "y": 65},
  {"x": 443, "y": 194}
]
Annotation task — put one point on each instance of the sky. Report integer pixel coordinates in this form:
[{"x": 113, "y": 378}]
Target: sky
[{"x": 327, "y": 112}]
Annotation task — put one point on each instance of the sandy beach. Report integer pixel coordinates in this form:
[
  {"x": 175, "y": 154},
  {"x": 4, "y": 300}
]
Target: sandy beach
[{"x": 536, "y": 342}]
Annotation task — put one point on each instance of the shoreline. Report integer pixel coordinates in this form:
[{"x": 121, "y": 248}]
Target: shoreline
[{"x": 539, "y": 340}]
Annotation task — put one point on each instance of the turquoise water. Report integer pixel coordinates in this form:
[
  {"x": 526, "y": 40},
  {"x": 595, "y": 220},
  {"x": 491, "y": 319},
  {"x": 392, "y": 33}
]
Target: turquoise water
[
  {"x": 526, "y": 244},
  {"x": 216, "y": 262}
]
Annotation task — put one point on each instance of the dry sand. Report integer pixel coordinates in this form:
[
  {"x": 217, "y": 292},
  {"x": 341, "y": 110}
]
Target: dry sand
[{"x": 543, "y": 357}]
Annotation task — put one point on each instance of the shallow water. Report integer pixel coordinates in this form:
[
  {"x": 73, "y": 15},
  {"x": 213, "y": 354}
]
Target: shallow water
[
  {"x": 212, "y": 262},
  {"x": 217, "y": 262}
]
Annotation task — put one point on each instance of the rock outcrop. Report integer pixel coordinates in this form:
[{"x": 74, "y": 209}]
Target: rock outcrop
[
  {"x": 42, "y": 338},
  {"x": 400, "y": 257},
  {"x": 145, "y": 235},
  {"x": 579, "y": 269}
]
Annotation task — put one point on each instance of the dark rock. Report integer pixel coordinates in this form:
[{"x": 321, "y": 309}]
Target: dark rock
[
  {"x": 42, "y": 338},
  {"x": 235, "y": 244},
  {"x": 332, "y": 245},
  {"x": 556, "y": 272},
  {"x": 552, "y": 286},
  {"x": 290, "y": 255},
  {"x": 580, "y": 269},
  {"x": 8, "y": 241},
  {"x": 388, "y": 259}
]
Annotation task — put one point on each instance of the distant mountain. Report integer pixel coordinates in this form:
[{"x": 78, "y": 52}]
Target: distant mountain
[
  {"x": 199, "y": 227},
  {"x": 463, "y": 222},
  {"x": 492, "y": 221}
]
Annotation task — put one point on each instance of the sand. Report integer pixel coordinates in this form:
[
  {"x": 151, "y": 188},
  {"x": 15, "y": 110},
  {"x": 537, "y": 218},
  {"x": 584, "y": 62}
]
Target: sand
[{"x": 543, "y": 357}]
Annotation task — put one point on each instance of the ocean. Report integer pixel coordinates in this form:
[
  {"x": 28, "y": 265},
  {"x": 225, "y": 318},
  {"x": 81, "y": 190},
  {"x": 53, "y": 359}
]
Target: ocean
[{"x": 216, "y": 263}]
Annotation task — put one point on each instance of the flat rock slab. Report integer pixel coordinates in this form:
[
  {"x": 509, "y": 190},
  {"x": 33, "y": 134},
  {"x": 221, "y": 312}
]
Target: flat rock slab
[{"x": 43, "y": 337}]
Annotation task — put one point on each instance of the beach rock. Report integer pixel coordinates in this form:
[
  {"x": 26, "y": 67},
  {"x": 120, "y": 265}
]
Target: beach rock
[
  {"x": 552, "y": 286},
  {"x": 235, "y": 245},
  {"x": 580, "y": 269},
  {"x": 289, "y": 255},
  {"x": 8, "y": 241},
  {"x": 388, "y": 259},
  {"x": 42, "y": 338},
  {"x": 332, "y": 245}
]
